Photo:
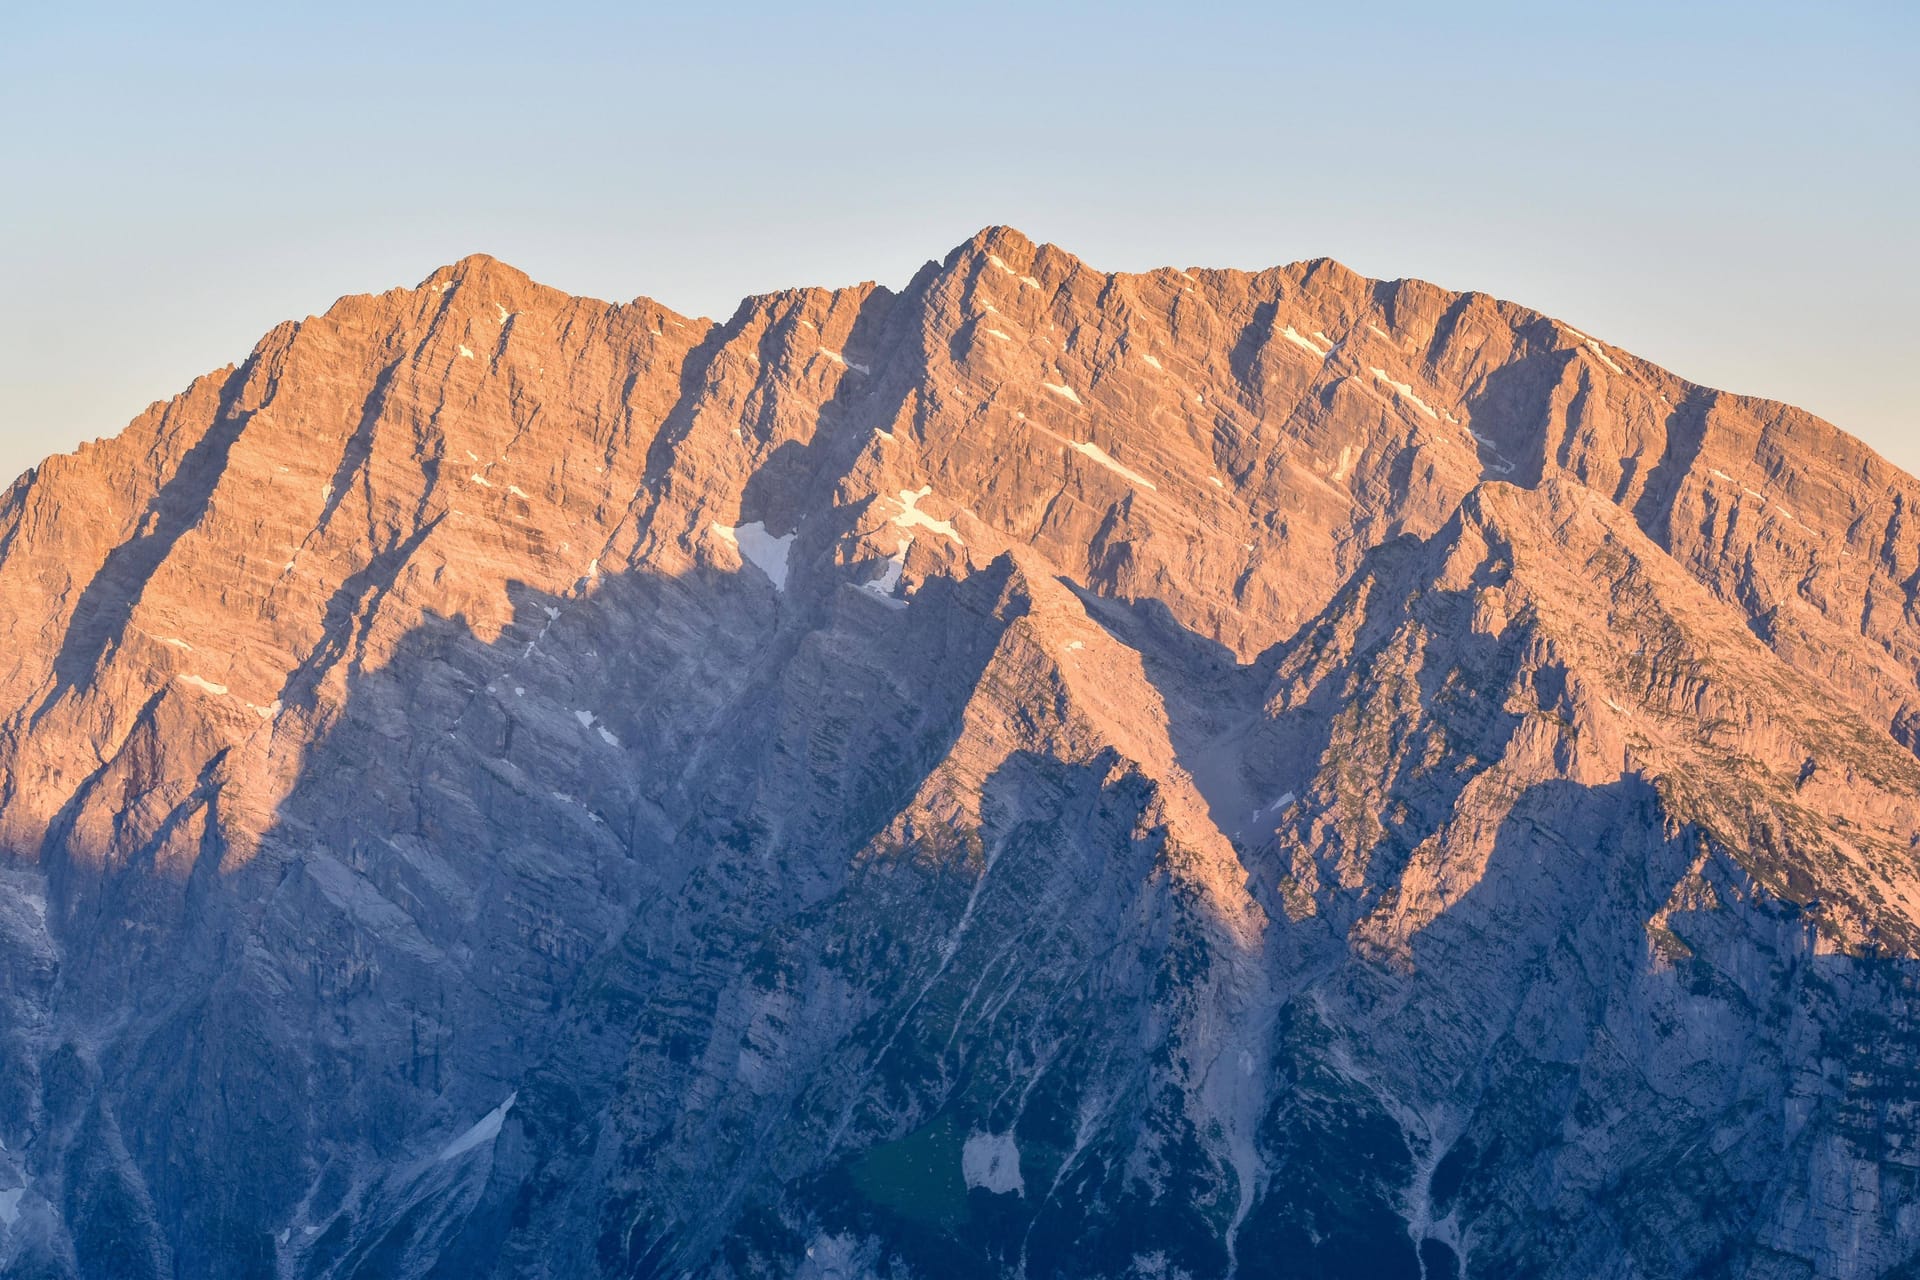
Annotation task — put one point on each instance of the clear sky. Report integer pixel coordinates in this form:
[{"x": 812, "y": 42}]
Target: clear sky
[{"x": 1729, "y": 189}]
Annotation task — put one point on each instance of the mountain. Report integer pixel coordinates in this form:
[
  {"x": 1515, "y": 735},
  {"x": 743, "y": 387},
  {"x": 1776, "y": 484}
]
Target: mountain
[{"x": 1042, "y": 773}]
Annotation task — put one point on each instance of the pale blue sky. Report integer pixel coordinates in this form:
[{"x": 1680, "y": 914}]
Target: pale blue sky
[{"x": 1727, "y": 189}]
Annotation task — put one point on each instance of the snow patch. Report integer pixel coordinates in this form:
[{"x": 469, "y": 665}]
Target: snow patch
[
  {"x": 1286, "y": 798},
  {"x": 1405, "y": 391},
  {"x": 842, "y": 361},
  {"x": 588, "y": 721},
  {"x": 1150, "y": 360},
  {"x": 175, "y": 642},
  {"x": 516, "y": 491},
  {"x": 200, "y": 682},
  {"x": 477, "y": 478},
  {"x": 1595, "y": 348},
  {"x": 485, "y": 1131},
  {"x": 465, "y": 353},
  {"x": 1074, "y": 646},
  {"x": 997, "y": 334},
  {"x": 999, "y": 264},
  {"x": 1306, "y": 344},
  {"x": 1101, "y": 456},
  {"x": 505, "y": 315},
  {"x": 1063, "y": 391},
  {"x": 761, "y": 549},
  {"x": 991, "y": 1161},
  {"x": 911, "y": 517},
  {"x": 882, "y": 587},
  {"x": 1216, "y": 482}
]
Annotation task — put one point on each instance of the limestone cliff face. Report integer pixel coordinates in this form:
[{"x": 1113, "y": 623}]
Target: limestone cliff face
[{"x": 1042, "y": 773}]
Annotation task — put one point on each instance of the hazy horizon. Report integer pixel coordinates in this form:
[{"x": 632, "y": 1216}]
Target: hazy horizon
[{"x": 1725, "y": 192}]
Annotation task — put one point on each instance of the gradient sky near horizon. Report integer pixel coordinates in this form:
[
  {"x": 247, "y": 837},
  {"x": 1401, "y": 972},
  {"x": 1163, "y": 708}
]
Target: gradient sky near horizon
[{"x": 1729, "y": 190}]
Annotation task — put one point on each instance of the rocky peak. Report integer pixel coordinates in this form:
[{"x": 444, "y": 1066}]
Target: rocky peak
[{"x": 1037, "y": 772}]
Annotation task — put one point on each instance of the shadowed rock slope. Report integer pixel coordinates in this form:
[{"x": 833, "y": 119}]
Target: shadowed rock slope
[{"x": 1041, "y": 773}]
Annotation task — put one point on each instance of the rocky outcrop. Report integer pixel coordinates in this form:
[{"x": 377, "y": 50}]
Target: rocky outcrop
[{"x": 1041, "y": 773}]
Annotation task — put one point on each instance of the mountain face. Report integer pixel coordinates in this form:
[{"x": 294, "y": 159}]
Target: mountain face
[{"x": 1043, "y": 773}]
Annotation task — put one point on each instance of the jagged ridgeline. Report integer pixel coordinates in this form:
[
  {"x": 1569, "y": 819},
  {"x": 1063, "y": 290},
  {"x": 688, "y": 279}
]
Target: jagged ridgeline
[{"x": 1041, "y": 773}]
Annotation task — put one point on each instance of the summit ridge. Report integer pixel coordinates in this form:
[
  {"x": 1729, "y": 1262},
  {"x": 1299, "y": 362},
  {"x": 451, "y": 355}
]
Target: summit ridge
[{"x": 1035, "y": 772}]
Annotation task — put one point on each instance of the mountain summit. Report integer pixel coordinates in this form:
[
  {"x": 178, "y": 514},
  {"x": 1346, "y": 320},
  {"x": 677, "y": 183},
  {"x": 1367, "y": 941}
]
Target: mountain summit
[{"x": 1042, "y": 773}]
